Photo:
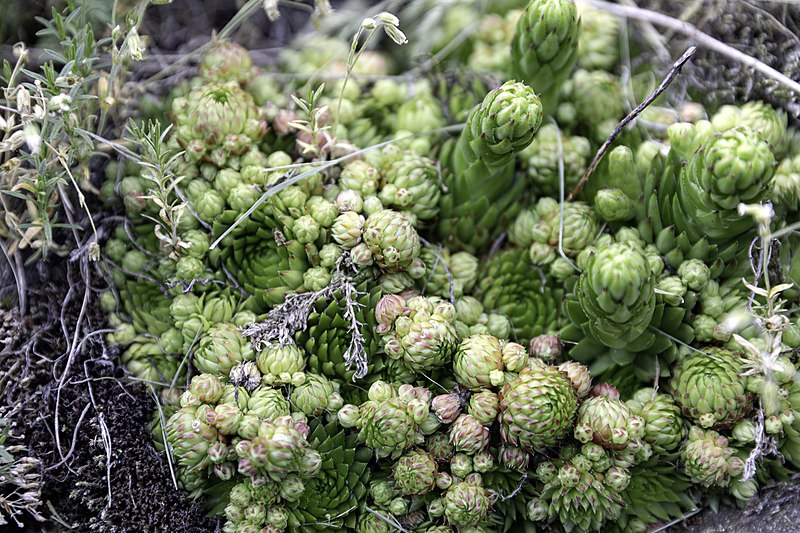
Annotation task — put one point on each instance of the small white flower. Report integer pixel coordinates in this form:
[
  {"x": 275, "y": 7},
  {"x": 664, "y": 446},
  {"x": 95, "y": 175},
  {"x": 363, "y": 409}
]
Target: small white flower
[
  {"x": 136, "y": 46},
  {"x": 23, "y": 100},
  {"x": 271, "y": 9},
  {"x": 61, "y": 102},
  {"x": 32, "y": 138},
  {"x": 762, "y": 213}
]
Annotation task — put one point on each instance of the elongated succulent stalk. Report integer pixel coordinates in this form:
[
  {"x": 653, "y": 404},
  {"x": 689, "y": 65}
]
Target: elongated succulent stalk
[
  {"x": 598, "y": 42},
  {"x": 617, "y": 293},
  {"x": 482, "y": 187},
  {"x": 545, "y": 47},
  {"x": 710, "y": 388}
]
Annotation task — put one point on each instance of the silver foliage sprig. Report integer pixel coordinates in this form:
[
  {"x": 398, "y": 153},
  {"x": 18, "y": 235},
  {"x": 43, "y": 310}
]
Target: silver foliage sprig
[{"x": 291, "y": 317}]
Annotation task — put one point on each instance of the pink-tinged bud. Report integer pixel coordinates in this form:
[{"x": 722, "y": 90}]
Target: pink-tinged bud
[
  {"x": 468, "y": 435},
  {"x": 546, "y": 347},
  {"x": 227, "y": 418},
  {"x": 217, "y": 452},
  {"x": 281, "y": 124},
  {"x": 484, "y": 405},
  {"x": 348, "y": 416},
  {"x": 246, "y": 468},
  {"x": 447, "y": 407},
  {"x": 241, "y": 448},
  {"x": 514, "y": 357},
  {"x": 393, "y": 348},
  {"x": 579, "y": 376},
  {"x": 248, "y": 427},
  {"x": 410, "y": 293},
  {"x": 206, "y": 388},
  {"x": 224, "y": 471},
  {"x": 389, "y": 308},
  {"x": 302, "y": 428},
  {"x": 514, "y": 458},
  {"x": 606, "y": 390}
]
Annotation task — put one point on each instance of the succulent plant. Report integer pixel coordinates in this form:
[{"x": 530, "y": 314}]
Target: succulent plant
[
  {"x": 537, "y": 408},
  {"x": 708, "y": 460},
  {"x": 466, "y": 504},
  {"x": 710, "y": 388},
  {"x": 545, "y": 47},
  {"x": 482, "y": 185},
  {"x": 530, "y": 303},
  {"x": 414, "y": 473},
  {"x": 663, "y": 424}
]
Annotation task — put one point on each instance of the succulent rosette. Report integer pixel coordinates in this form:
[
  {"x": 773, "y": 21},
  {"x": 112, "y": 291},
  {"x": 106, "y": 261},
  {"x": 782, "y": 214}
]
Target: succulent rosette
[
  {"x": 606, "y": 420},
  {"x": 708, "y": 459},
  {"x": 733, "y": 167},
  {"x": 663, "y": 424},
  {"x": 466, "y": 504},
  {"x": 392, "y": 239},
  {"x": 419, "y": 331},
  {"x": 266, "y": 262},
  {"x": 508, "y": 287},
  {"x": 710, "y": 388},
  {"x": 217, "y": 116},
  {"x": 390, "y": 423},
  {"x": 226, "y": 61},
  {"x": 537, "y": 409},
  {"x": 414, "y": 473},
  {"x": 221, "y": 348},
  {"x": 541, "y": 159},
  {"x": 412, "y": 183}
]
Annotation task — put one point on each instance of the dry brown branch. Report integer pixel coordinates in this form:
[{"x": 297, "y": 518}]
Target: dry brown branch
[{"x": 668, "y": 79}]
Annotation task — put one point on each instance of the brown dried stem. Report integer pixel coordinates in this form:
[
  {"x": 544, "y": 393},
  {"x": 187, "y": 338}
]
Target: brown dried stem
[{"x": 670, "y": 77}]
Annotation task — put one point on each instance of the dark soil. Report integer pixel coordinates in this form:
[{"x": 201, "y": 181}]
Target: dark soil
[{"x": 106, "y": 475}]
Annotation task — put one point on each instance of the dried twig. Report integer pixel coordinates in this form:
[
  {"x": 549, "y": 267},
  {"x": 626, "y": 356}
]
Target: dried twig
[
  {"x": 290, "y": 317},
  {"x": 670, "y": 77}
]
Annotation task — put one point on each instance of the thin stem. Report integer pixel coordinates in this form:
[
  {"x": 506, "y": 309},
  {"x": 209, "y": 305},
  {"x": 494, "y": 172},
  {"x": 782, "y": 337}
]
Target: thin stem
[
  {"x": 671, "y": 75},
  {"x": 333, "y": 162}
]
